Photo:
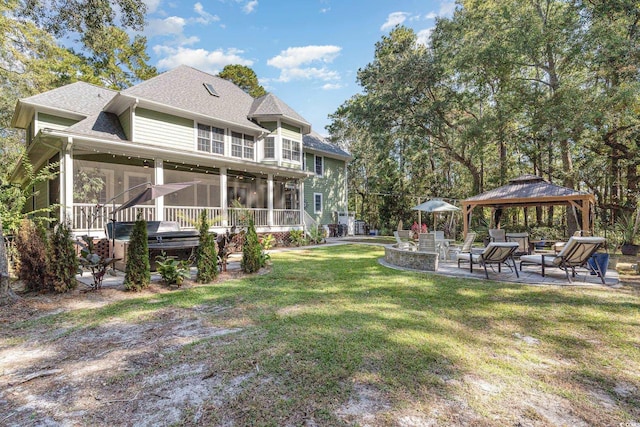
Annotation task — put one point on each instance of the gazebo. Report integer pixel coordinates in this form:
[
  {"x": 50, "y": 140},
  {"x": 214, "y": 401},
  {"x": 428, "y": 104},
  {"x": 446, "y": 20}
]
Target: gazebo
[{"x": 531, "y": 190}]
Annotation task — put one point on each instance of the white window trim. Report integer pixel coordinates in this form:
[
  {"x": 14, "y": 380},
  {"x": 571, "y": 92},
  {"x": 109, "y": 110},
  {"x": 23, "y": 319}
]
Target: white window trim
[
  {"x": 315, "y": 157},
  {"x": 321, "y": 203},
  {"x": 264, "y": 147},
  {"x": 211, "y": 140},
  {"x": 300, "y": 153}
]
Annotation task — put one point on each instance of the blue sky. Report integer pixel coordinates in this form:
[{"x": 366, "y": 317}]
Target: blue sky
[{"x": 306, "y": 52}]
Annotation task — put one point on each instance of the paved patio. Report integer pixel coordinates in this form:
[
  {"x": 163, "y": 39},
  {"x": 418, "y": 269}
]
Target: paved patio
[{"x": 530, "y": 275}]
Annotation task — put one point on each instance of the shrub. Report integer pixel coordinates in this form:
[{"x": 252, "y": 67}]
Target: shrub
[
  {"x": 171, "y": 270},
  {"x": 267, "y": 242},
  {"x": 96, "y": 263},
  {"x": 63, "y": 259},
  {"x": 297, "y": 237},
  {"x": 137, "y": 270},
  {"x": 31, "y": 245},
  {"x": 316, "y": 234},
  {"x": 206, "y": 255},
  {"x": 251, "y": 251}
]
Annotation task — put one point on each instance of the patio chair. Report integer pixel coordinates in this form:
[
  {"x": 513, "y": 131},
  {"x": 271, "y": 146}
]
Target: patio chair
[
  {"x": 497, "y": 235},
  {"x": 495, "y": 253},
  {"x": 522, "y": 239},
  {"x": 442, "y": 244},
  {"x": 575, "y": 253},
  {"x": 404, "y": 244},
  {"x": 427, "y": 242},
  {"x": 466, "y": 245}
]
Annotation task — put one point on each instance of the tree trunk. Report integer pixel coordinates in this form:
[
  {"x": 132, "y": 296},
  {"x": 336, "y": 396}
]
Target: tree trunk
[{"x": 6, "y": 293}]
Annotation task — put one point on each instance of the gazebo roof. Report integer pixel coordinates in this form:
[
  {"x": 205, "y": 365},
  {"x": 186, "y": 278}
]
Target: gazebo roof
[{"x": 527, "y": 190}]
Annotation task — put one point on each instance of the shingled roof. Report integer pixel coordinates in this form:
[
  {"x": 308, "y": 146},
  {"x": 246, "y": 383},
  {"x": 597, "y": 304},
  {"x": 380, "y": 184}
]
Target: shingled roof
[
  {"x": 526, "y": 187},
  {"x": 316, "y": 142},
  {"x": 271, "y": 105},
  {"x": 183, "y": 88},
  {"x": 102, "y": 125},
  {"x": 79, "y": 98}
]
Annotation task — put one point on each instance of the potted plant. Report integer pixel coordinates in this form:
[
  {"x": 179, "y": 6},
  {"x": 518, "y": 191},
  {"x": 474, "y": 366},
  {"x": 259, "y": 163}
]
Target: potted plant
[{"x": 627, "y": 227}]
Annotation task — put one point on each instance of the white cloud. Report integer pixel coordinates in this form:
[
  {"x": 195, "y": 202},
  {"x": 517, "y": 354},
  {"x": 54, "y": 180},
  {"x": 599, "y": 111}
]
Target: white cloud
[
  {"x": 394, "y": 18},
  {"x": 250, "y": 6},
  {"x": 296, "y": 56},
  {"x": 310, "y": 73},
  {"x": 204, "y": 16},
  {"x": 447, "y": 9},
  {"x": 209, "y": 61},
  {"x": 152, "y": 5},
  {"x": 431, "y": 15},
  {"x": 173, "y": 25},
  {"x": 424, "y": 36},
  {"x": 325, "y": 10},
  {"x": 294, "y": 63},
  {"x": 332, "y": 86}
]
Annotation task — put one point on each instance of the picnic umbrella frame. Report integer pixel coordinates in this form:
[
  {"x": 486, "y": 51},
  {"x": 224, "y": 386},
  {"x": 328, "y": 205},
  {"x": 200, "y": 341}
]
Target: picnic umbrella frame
[{"x": 434, "y": 206}]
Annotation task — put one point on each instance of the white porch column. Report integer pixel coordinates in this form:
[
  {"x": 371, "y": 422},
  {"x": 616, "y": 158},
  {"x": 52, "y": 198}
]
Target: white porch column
[
  {"x": 223, "y": 197},
  {"x": 301, "y": 203},
  {"x": 270, "y": 199},
  {"x": 158, "y": 171},
  {"x": 66, "y": 181}
]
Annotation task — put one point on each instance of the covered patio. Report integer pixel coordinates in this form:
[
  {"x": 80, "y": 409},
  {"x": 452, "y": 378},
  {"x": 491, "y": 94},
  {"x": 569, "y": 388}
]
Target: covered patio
[{"x": 529, "y": 191}]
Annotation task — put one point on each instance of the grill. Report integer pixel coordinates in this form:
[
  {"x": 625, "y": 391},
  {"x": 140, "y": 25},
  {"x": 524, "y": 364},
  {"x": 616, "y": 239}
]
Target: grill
[{"x": 162, "y": 236}]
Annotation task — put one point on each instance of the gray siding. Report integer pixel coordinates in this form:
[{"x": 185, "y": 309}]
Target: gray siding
[{"x": 157, "y": 128}]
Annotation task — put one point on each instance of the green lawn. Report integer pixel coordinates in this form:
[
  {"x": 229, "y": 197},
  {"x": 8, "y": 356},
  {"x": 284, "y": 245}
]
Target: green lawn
[{"x": 331, "y": 336}]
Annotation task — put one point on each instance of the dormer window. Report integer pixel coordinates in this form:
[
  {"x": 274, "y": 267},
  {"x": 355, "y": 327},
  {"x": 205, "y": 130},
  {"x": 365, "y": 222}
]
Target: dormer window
[{"x": 210, "y": 89}]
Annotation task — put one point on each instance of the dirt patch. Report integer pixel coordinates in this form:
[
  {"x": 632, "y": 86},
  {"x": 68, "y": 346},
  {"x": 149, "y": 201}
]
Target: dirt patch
[{"x": 118, "y": 373}]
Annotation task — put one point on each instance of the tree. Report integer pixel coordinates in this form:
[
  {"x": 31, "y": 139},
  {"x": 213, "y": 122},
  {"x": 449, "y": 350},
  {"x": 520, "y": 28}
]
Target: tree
[
  {"x": 244, "y": 77},
  {"x": 206, "y": 256},
  {"x": 63, "y": 259},
  {"x": 251, "y": 250},
  {"x": 137, "y": 268}
]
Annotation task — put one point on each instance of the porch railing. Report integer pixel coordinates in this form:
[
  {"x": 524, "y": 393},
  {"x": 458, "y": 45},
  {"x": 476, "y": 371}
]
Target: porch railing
[
  {"x": 189, "y": 217},
  {"x": 90, "y": 217}
]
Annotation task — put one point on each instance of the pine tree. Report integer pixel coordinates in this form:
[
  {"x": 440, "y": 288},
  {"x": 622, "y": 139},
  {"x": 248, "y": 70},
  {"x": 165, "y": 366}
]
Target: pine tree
[
  {"x": 138, "y": 270},
  {"x": 251, "y": 250},
  {"x": 63, "y": 260},
  {"x": 206, "y": 256}
]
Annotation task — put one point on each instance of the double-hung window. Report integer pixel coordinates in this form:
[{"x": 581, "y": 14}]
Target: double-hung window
[
  {"x": 210, "y": 139},
  {"x": 269, "y": 147},
  {"x": 319, "y": 165},
  {"x": 317, "y": 202},
  {"x": 290, "y": 150},
  {"x": 242, "y": 145}
]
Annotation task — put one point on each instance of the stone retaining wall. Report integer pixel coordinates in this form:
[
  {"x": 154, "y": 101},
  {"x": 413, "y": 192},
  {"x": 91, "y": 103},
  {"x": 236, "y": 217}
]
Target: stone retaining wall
[{"x": 427, "y": 261}]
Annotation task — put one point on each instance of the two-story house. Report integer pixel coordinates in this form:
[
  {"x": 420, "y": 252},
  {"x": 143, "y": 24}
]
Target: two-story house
[{"x": 185, "y": 125}]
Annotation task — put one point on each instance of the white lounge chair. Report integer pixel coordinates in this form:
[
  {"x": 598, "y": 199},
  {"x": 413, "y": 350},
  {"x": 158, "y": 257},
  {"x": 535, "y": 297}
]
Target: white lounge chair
[
  {"x": 575, "y": 253},
  {"x": 404, "y": 244},
  {"x": 495, "y": 253}
]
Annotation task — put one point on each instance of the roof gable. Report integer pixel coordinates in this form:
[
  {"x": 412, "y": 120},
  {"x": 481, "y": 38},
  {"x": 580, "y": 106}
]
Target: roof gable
[
  {"x": 79, "y": 97},
  {"x": 271, "y": 105},
  {"x": 184, "y": 88}
]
